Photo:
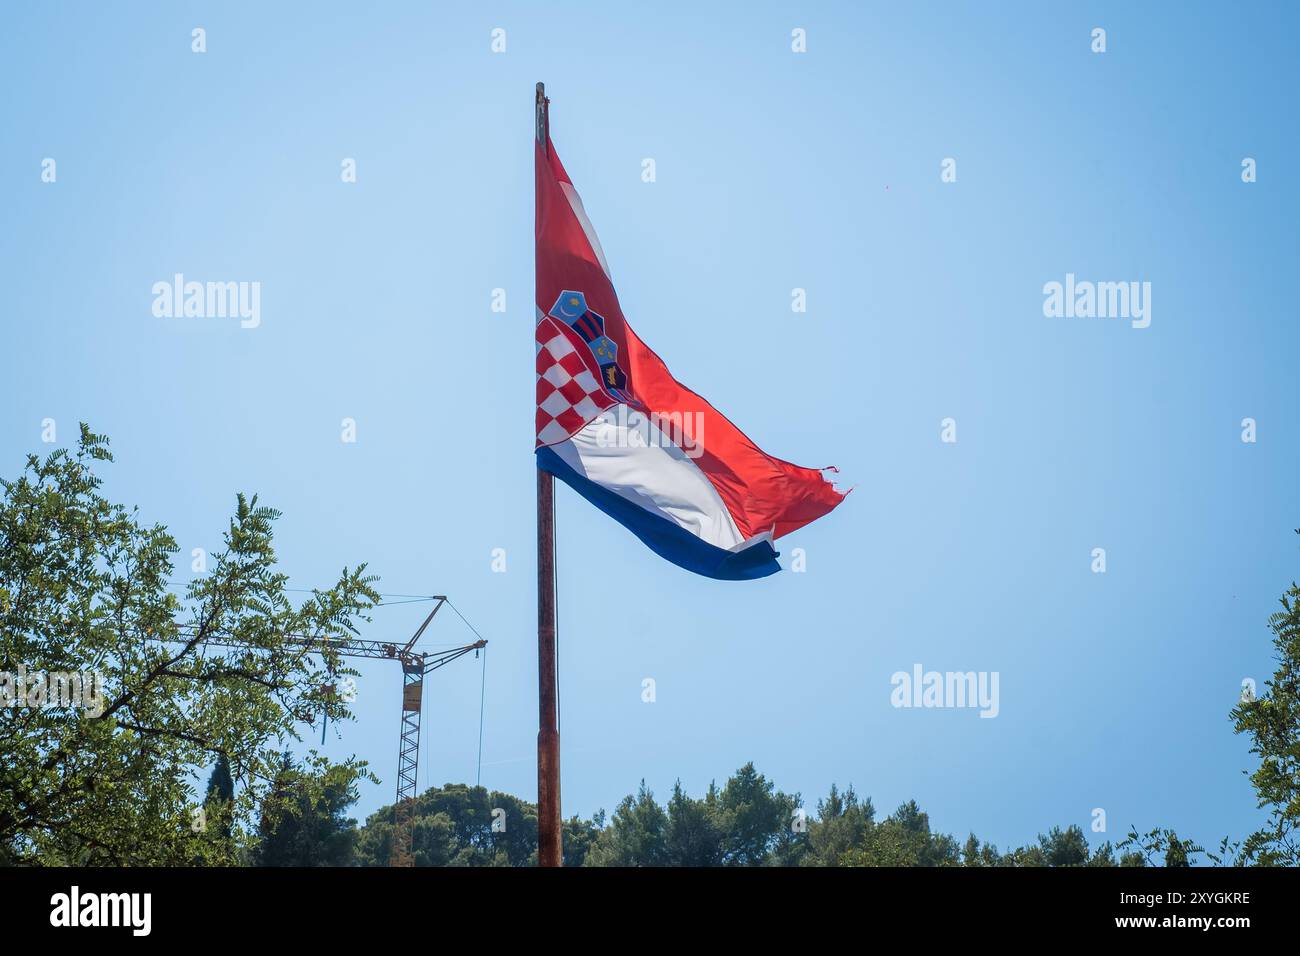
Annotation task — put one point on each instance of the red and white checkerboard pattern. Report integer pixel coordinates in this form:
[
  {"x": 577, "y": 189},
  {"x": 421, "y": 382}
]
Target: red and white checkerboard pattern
[{"x": 568, "y": 393}]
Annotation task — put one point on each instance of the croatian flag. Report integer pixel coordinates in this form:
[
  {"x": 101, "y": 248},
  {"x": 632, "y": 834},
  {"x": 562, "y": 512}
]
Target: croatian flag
[{"x": 614, "y": 425}]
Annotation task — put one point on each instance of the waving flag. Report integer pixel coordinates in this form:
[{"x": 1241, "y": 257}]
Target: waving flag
[{"x": 614, "y": 425}]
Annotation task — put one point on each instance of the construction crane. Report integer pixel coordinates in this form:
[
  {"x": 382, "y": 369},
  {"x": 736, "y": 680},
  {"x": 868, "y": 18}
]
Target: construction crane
[{"x": 415, "y": 664}]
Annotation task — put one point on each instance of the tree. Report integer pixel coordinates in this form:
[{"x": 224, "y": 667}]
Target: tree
[
  {"x": 636, "y": 835},
  {"x": 974, "y": 853},
  {"x": 304, "y": 819},
  {"x": 453, "y": 827},
  {"x": 85, "y": 594},
  {"x": 1273, "y": 722},
  {"x": 842, "y": 823},
  {"x": 1104, "y": 855},
  {"x": 215, "y": 817},
  {"x": 221, "y": 786},
  {"x": 754, "y": 817},
  {"x": 692, "y": 836},
  {"x": 579, "y": 836},
  {"x": 904, "y": 839},
  {"x": 459, "y": 825},
  {"x": 1158, "y": 847},
  {"x": 1067, "y": 847}
]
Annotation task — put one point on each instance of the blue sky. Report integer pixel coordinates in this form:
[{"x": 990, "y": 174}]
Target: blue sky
[{"x": 775, "y": 171}]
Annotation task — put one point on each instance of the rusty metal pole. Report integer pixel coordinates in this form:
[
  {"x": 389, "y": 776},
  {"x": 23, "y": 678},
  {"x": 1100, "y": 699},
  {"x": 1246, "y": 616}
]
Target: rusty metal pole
[{"x": 549, "y": 848}]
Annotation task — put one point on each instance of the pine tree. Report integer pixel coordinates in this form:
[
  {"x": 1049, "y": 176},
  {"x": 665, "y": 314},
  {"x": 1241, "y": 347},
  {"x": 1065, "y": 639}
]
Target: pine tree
[{"x": 220, "y": 797}]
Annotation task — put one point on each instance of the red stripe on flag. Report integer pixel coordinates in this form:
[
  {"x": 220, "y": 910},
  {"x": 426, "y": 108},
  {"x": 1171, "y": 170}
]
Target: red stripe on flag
[{"x": 762, "y": 493}]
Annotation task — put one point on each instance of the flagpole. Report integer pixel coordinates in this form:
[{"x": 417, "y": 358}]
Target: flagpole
[{"x": 548, "y": 735}]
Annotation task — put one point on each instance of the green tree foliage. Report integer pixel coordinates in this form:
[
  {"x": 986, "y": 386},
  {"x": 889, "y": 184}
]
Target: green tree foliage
[
  {"x": 693, "y": 835},
  {"x": 974, "y": 853},
  {"x": 1105, "y": 855},
  {"x": 637, "y": 834},
  {"x": 1273, "y": 722},
  {"x": 304, "y": 818},
  {"x": 903, "y": 839},
  {"x": 749, "y": 822},
  {"x": 84, "y": 588},
  {"x": 221, "y": 787},
  {"x": 1068, "y": 847},
  {"x": 755, "y": 818},
  {"x": 216, "y": 816},
  {"x": 454, "y": 826},
  {"x": 842, "y": 823},
  {"x": 1159, "y": 847},
  {"x": 746, "y": 823},
  {"x": 579, "y": 838}
]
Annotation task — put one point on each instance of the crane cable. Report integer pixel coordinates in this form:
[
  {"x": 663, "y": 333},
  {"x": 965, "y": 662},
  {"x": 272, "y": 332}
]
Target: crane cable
[
  {"x": 482, "y": 698},
  {"x": 478, "y": 775}
]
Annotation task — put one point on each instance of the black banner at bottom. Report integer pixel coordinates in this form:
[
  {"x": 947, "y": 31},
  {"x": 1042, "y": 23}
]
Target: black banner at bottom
[{"x": 336, "y": 905}]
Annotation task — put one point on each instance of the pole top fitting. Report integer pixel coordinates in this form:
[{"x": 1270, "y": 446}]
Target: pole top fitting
[{"x": 543, "y": 119}]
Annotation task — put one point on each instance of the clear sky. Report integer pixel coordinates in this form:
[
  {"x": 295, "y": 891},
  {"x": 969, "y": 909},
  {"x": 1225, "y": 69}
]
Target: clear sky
[{"x": 775, "y": 170}]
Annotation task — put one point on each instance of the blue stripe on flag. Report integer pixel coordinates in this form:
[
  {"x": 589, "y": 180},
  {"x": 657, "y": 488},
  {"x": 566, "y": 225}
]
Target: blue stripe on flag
[{"x": 663, "y": 537}]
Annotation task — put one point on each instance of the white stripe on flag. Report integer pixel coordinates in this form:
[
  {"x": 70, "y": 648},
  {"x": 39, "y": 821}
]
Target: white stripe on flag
[
  {"x": 575, "y": 202},
  {"x": 624, "y": 453}
]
